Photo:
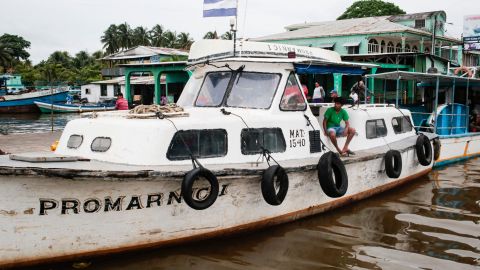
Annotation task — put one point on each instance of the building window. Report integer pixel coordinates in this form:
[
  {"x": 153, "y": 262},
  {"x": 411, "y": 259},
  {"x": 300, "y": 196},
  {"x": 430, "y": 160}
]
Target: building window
[
  {"x": 87, "y": 91},
  {"x": 206, "y": 143},
  {"x": 376, "y": 128},
  {"x": 271, "y": 139},
  {"x": 414, "y": 48},
  {"x": 373, "y": 46},
  {"x": 399, "y": 47},
  {"x": 402, "y": 124},
  {"x": 74, "y": 141},
  {"x": 407, "y": 48},
  {"x": 116, "y": 90},
  {"x": 103, "y": 90},
  {"x": 353, "y": 49},
  {"x": 382, "y": 47},
  {"x": 390, "y": 47},
  {"x": 292, "y": 99},
  {"x": 419, "y": 23},
  {"x": 101, "y": 144}
]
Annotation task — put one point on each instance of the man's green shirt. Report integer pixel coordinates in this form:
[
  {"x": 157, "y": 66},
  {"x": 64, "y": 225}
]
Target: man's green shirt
[{"x": 333, "y": 118}]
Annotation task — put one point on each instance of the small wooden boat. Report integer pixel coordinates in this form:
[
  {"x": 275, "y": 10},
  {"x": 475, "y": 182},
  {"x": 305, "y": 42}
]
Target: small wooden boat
[
  {"x": 241, "y": 151},
  {"x": 47, "y": 107},
  {"x": 25, "y": 102}
]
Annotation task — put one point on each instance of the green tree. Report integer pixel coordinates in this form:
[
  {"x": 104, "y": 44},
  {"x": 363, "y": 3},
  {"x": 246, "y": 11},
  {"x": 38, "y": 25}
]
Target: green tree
[
  {"x": 82, "y": 59},
  {"x": 17, "y": 44},
  {"x": 170, "y": 39},
  {"x": 227, "y": 36},
  {"x": 140, "y": 36},
  {"x": 370, "y": 8},
  {"x": 184, "y": 41},
  {"x": 61, "y": 58},
  {"x": 110, "y": 39},
  {"x": 211, "y": 35},
  {"x": 124, "y": 34},
  {"x": 6, "y": 55},
  {"x": 157, "y": 38}
]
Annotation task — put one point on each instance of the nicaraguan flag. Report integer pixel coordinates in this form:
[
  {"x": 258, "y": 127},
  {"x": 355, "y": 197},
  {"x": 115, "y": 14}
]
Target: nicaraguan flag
[{"x": 219, "y": 8}]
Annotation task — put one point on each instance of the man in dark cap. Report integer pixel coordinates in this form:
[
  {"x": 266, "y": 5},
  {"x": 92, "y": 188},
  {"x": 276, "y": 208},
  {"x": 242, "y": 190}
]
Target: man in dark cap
[{"x": 331, "y": 126}]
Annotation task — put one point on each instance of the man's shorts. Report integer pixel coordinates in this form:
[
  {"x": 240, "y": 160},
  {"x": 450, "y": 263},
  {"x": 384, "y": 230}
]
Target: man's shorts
[{"x": 338, "y": 131}]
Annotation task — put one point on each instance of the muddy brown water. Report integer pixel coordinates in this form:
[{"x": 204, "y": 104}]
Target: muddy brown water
[{"x": 431, "y": 223}]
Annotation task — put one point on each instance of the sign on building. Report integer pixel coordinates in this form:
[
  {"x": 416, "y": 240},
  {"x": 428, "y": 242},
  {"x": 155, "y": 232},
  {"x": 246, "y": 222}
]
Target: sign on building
[{"x": 471, "y": 32}]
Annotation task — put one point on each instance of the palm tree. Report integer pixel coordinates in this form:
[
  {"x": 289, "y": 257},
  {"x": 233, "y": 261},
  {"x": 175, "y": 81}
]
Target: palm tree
[
  {"x": 211, "y": 35},
  {"x": 5, "y": 54},
  {"x": 124, "y": 35},
  {"x": 62, "y": 58},
  {"x": 228, "y": 36},
  {"x": 97, "y": 55},
  {"x": 110, "y": 39},
  {"x": 156, "y": 36},
  {"x": 82, "y": 59},
  {"x": 184, "y": 41},
  {"x": 170, "y": 39},
  {"x": 140, "y": 36}
]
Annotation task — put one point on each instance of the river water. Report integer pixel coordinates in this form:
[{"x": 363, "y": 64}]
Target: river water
[
  {"x": 33, "y": 123},
  {"x": 431, "y": 223}
]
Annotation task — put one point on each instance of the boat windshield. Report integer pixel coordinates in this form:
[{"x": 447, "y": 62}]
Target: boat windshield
[{"x": 242, "y": 89}]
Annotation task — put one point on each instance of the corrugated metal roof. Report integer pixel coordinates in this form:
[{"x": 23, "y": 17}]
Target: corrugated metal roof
[
  {"x": 143, "y": 52},
  {"x": 370, "y": 25}
]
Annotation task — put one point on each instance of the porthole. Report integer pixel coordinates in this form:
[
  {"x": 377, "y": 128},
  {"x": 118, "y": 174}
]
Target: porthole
[
  {"x": 101, "y": 144},
  {"x": 75, "y": 141}
]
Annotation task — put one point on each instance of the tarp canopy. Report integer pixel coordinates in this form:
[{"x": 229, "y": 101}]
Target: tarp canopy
[
  {"x": 422, "y": 77},
  {"x": 316, "y": 69}
]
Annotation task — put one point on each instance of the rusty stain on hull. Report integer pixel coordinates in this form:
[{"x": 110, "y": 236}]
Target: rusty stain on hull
[{"x": 227, "y": 231}]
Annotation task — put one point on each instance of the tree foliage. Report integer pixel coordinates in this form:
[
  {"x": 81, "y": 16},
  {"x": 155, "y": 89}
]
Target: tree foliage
[
  {"x": 120, "y": 37},
  {"x": 370, "y": 8}
]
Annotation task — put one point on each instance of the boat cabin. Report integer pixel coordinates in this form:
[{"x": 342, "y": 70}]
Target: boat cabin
[{"x": 235, "y": 108}]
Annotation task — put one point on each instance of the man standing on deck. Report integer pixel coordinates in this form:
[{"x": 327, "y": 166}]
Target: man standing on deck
[
  {"x": 121, "y": 104},
  {"x": 331, "y": 126}
]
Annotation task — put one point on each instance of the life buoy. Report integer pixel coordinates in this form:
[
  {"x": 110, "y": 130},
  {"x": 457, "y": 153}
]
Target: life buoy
[
  {"x": 274, "y": 185},
  {"x": 463, "y": 70},
  {"x": 330, "y": 166},
  {"x": 424, "y": 150},
  {"x": 187, "y": 188},
  {"x": 393, "y": 163},
  {"x": 437, "y": 145}
]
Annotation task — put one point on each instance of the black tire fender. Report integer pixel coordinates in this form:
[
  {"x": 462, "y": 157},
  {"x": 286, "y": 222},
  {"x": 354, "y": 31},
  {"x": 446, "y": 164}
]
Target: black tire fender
[
  {"x": 187, "y": 188},
  {"x": 332, "y": 175},
  {"x": 393, "y": 163},
  {"x": 424, "y": 150},
  {"x": 274, "y": 185},
  {"x": 437, "y": 146}
]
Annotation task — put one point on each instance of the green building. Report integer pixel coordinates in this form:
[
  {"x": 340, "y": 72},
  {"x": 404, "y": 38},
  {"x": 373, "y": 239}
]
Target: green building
[{"x": 412, "y": 42}]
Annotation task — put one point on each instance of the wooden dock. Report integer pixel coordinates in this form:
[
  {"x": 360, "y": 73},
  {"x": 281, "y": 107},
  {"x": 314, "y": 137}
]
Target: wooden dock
[{"x": 32, "y": 142}]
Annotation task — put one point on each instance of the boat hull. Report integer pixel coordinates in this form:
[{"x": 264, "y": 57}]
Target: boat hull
[
  {"x": 457, "y": 148},
  {"x": 27, "y": 105},
  {"x": 66, "y": 218},
  {"x": 46, "y": 107}
]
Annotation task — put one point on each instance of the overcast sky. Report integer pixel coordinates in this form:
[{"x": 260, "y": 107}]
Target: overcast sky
[{"x": 74, "y": 25}]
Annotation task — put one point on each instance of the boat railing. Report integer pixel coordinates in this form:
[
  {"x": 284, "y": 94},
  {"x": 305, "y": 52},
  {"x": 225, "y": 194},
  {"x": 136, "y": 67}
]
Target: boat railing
[{"x": 447, "y": 123}]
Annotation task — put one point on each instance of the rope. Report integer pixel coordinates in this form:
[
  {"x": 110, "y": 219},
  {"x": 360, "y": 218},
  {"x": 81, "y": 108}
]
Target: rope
[{"x": 144, "y": 109}]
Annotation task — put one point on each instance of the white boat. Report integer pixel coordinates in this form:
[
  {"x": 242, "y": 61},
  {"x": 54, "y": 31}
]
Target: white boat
[{"x": 244, "y": 153}]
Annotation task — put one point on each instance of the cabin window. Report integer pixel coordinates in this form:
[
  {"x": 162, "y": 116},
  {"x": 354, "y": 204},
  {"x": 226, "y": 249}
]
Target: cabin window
[
  {"x": 292, "y": 99},
  {"x": 253, "y": 90},
  {"x": 103, "y": 90},
  {"x": 402, "y": 124},
  {"x": 101, "y": 144},
  {"x": 207, "y": 143},
  {"x": 74, "y": 141},
  {"x": 87, "y": 91},
  {"x": 213, "y": 89},
  {"x": 253, "y": 139},
  {"x": 376, "y": 128}
]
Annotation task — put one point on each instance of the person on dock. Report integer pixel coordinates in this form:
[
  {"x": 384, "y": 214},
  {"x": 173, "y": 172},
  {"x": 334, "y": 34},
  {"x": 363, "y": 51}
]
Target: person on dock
[
  {"x": 318, "y": 94},
  {"x": 121, "y": 103},
  {"x": 361, "y": 90},
  {"x": 331, "y": 126}
]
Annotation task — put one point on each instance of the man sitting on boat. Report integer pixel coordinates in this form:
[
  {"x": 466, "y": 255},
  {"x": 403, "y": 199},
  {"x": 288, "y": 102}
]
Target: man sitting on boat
[
  {"x": 121, "y": 104},
  {"x": 331, "y": 126}
]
